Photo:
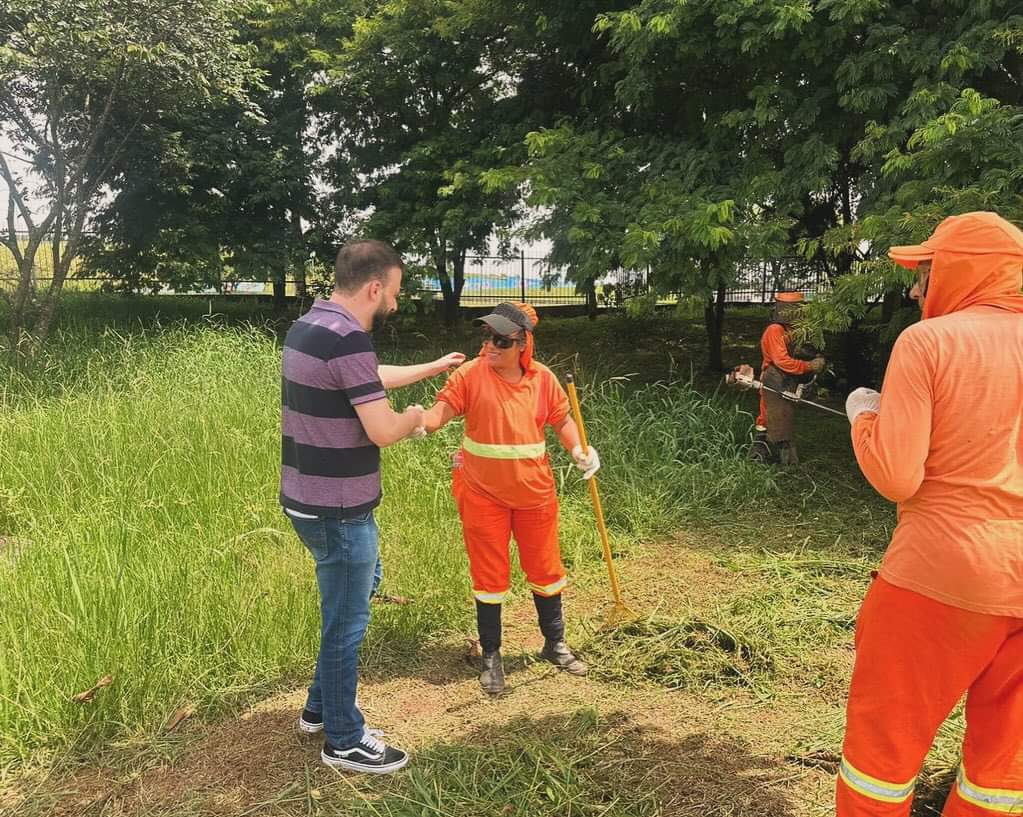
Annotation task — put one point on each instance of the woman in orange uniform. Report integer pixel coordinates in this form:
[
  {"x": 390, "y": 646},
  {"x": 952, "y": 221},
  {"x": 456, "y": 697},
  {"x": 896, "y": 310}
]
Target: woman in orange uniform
[
  {"x": 944, "y": 617},
  {"x": 502, "y": 481}
]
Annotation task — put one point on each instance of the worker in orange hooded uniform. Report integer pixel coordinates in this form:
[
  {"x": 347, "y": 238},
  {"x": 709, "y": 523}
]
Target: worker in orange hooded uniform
[
  {"x": 944, "y": 439},
  {"x": 784, "y": 367},
  {"x": 503, "y": 483}
]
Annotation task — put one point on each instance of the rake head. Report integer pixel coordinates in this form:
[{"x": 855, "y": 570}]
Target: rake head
[{"x": 620, "y": 613}]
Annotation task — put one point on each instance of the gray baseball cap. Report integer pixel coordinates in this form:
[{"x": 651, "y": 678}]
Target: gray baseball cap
[{"x": 506, "y": 319}]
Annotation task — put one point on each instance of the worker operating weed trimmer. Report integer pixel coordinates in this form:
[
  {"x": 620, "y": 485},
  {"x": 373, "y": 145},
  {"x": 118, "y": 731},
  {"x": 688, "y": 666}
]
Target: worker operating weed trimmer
[
  {"x": 787, "y": 370},
  {"x": 502, "y": 480}
]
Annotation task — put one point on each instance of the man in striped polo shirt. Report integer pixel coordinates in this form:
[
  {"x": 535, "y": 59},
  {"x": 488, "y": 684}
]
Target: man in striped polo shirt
[{"x": 335, "y": 420}]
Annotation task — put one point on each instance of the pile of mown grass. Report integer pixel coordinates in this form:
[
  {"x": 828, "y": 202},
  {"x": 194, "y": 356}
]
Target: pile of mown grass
[{"x": 683, "y": 654}]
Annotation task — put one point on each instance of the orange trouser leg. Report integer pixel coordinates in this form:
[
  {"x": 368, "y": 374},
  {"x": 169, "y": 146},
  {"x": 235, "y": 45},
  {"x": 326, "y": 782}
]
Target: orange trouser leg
[
  {"x": 990, "y": 780},
  {"x": 486, "y": 529},
  {"x": 915, "y": 657},
  {"x": 536, "y": 534},
  {"x": 762, "y": 417}
]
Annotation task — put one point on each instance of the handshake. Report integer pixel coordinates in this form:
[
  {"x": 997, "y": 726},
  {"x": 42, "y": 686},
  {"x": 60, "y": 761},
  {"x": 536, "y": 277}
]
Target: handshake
[{"x": 418, "y": 431}]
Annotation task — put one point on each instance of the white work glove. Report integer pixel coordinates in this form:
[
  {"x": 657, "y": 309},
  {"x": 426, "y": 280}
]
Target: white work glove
[
  {"x": 862, "y": 400},
  {"x": 589, "y": 463}
]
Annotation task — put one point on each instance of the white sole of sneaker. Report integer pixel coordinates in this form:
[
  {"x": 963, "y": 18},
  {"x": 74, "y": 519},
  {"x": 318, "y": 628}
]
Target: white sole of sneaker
[
  {"x": 348, "y": 765},
  {"x": 309, "y": 728}
]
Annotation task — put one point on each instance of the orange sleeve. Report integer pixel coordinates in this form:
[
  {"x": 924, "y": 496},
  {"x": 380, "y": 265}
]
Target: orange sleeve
[
  {"x": 557, "y": 401},
  {"x": 892, "y": 446},
  {"x": 454, "y": 391},
  {"x": 776, "y": 351}
]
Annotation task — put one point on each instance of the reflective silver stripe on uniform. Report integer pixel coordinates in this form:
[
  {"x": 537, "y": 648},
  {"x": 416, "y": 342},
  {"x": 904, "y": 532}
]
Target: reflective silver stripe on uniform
[
  {"x": 549, "y": 589},
  {"x": 1000, "y": 801},
  {"x": 873, "y": 787},
  {"x": 491, "y": 451},
  {"x": 489, "y": 598}
]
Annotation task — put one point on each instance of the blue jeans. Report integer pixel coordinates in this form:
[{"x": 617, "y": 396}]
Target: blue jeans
[{"x": 346, "y": 552}]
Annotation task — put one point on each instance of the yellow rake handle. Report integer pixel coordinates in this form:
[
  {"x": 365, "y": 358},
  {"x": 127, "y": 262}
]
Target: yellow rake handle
[{"x": 598, "y": 509}]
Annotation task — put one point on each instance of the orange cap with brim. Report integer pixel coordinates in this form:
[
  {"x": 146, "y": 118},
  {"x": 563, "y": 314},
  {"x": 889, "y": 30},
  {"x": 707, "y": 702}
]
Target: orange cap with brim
[{"x": 978, "y": 233}]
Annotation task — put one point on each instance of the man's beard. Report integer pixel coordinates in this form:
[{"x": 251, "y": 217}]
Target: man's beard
[{"x": 380, "y": 317}]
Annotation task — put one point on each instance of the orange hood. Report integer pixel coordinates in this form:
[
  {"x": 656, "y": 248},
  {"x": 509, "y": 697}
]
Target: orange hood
[
  {"x": 959, "y": 281},
  {"x": 976, "y": 260}
]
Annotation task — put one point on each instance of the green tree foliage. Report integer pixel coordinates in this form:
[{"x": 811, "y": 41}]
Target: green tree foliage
[
  {"x": 686, "y": 139},
  {"x": 419, "y": 112},
  {"x": 227, "y": 191},
  {"x": 79, "y": 81}
]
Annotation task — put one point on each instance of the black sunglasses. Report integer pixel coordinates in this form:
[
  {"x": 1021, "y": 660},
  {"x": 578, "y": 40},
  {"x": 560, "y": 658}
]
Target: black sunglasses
[{"x": 499, "y": 341}]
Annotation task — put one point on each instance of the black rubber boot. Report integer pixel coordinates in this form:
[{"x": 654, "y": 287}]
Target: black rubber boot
[
  {"x": 559, "y": 654},
  {"x": 552, "y": 625},
  {"x": 492, "y": 673},
  {"x": 488, "y": 624}
]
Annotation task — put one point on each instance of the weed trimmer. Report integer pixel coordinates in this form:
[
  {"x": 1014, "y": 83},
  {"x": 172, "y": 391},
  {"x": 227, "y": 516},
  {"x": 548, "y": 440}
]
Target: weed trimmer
[
  {"x": 620, "y": 612},
  {"x": 742, "y": 376}
]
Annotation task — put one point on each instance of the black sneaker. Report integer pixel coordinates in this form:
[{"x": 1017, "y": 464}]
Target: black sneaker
[
  {"x": 369, "y": 755},
  {"x": 310, "y": 722}
]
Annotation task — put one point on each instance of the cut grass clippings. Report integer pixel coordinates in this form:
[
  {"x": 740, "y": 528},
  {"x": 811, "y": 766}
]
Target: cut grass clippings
[{"x": 687, "y": 654}]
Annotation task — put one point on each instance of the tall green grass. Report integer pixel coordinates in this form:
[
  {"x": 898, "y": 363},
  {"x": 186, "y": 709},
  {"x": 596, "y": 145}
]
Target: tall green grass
[{"x": 140, "y": 534}]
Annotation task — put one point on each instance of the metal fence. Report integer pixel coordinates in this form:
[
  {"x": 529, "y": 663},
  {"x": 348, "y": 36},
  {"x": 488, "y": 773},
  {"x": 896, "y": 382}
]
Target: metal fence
[{"x": 490, "y": 279}]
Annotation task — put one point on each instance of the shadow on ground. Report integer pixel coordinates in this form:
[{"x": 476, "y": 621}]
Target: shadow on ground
[{"x": 579, "y": 763}]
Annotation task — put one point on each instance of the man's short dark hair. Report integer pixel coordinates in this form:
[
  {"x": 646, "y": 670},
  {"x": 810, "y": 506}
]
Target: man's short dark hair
[{"x": 362, "y": 261}]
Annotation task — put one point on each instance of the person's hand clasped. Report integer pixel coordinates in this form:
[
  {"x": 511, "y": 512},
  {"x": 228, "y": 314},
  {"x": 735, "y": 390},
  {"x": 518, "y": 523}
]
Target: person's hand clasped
[{"x": 419, "y": 432}]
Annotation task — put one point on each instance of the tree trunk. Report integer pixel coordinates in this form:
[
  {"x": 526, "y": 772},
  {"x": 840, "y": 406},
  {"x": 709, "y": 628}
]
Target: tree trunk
[
  {"x": 45, "y": 320},
  {"x": 280, "y": 301},
  {"x": 591, "y": 299},
  {"x": 61, "y": 269},
  {"x": 298, "y": 255},
  {"x": 450, "y": 289},
  {"x": 458, "y": 265},
  {"x": 856, "y": 357},
  {"x": 21, "y": 303},
  {"x": 714, "y": 321}
]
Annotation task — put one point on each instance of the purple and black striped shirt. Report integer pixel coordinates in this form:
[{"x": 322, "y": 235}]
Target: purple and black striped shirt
[{"x": 329, "y": 466}]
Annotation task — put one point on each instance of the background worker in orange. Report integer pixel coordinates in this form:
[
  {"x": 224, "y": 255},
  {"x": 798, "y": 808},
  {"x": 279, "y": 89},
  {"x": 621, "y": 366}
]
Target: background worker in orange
[
  {"x": 944, "y": 439},
  {"x": 783, "y": 370},
  {"x": 503, "y": 483}
]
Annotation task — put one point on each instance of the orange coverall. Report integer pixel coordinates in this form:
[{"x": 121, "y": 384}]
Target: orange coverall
[
  {"x": 505, "y": 485},
  {"x": 945, "y": 615}
]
